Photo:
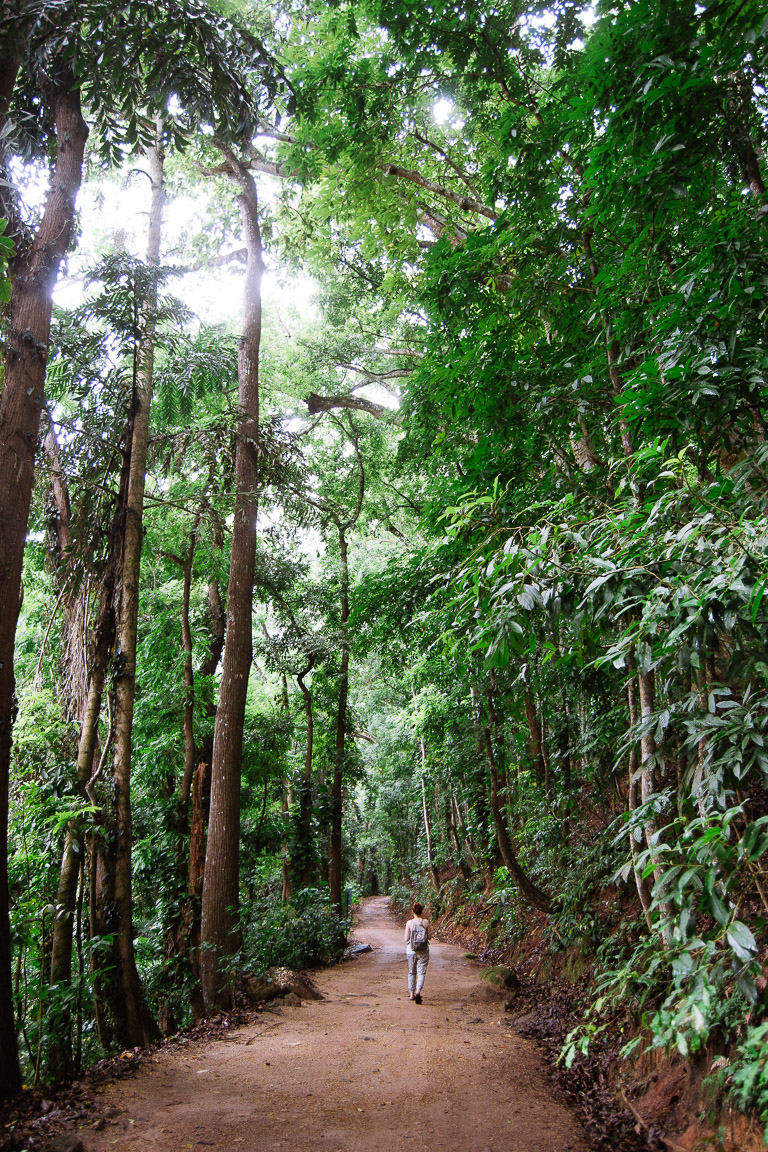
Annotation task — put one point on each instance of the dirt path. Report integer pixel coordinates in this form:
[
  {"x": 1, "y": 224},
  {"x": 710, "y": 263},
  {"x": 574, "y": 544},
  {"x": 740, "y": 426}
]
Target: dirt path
[{"x": 362, "y": 1070}]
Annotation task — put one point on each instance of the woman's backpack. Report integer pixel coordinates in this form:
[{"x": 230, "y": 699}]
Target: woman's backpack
[{"x": 418, "y": 937}]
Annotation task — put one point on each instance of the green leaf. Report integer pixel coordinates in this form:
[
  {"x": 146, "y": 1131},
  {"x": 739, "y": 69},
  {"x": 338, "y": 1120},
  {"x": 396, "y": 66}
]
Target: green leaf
[{"x": 741, "y": 941}]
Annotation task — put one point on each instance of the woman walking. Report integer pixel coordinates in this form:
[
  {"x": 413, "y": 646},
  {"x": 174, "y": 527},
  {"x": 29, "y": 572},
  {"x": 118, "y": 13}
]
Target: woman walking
[{"x": 417, "y": 952}]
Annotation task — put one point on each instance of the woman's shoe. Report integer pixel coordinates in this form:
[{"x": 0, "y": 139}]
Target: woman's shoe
[{"x": 417, "y": 998}]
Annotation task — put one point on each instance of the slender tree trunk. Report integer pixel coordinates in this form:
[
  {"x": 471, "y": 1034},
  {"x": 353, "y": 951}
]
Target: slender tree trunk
[
  {"x": 649, "y": 783},
  {"x": 433, "y": 872},
  {"x": 102, "y": 644},
  {"x": 463, "y": 835},
  {"x": 485, "y": 818},
  {"x": 534, "y": 730},
  {"x": 614, "y": 371},
  {"x": 453, "y": 836},
  {"x": 21, "y": 403},
  {"x": 197, "y": 831},
  {"x": 218, "y": 621},
  {"x": 59, "y": 1056},
  {"x": 632, "y": 802},
  {"x": 528, "y": 890},
  {"x": 190, "y": 750},
  {"x": 63, "y": 515},
  {"x": 286, "y": 800},
  {"x": 133, "y": 1021},
  {"x": 647, "y": 748},
  {"x": 335, "y": 862},
  {"x": 100, "y": 843},
  {"x": 220, "y": 891},
  {"x": 305, "y": 807}
]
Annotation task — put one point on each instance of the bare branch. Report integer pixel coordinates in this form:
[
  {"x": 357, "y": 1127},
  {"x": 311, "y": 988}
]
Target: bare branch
[
  {"x": 462, "y": 175},
  {"x": 375, "y": 376},
  {"x": 317, "y": 404},
  {"x": 466, "y": 203}
]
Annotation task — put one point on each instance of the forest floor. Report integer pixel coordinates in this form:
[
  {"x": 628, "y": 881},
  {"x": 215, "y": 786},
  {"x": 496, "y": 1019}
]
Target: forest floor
[{"x": 363, "y": 1068}]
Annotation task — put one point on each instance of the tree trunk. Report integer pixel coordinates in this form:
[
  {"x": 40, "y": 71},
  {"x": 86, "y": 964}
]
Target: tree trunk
[
  {"x": 433, "y": 872},
  {"x": 286, "y": 800},
  {"x": 190, "y": 751},
  {"x": 218, "y": 620},
  {"x": 21, "y": 403},
  {"x": 649, "y": 784},
  {"x": 220, "y": 891},
  {"x": 335, "y": 862},
  {"x": 59, "y": 1056},
  {"x": 641, "y": 883},
  {"x": 463, "y": 835},
  {"x": 534, "y": 730},
  {"x": 453, "y": 836},
  {"x": 133, "y": 1021},
  {"x": 305, "y": 804},
  {"x": 102, "y": 643},
  {"x": 647, "y": 747},
  {"x": 528, "y": 890},
  {"x": 63, "y": 516}
]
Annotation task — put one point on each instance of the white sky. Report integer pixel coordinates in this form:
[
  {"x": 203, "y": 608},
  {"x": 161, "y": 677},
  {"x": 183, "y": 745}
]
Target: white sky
[{"x": 111, "y": 212}]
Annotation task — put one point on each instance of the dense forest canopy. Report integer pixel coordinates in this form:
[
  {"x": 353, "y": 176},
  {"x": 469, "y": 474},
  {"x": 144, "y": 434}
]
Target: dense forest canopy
[{"x": 383, "y": 500}]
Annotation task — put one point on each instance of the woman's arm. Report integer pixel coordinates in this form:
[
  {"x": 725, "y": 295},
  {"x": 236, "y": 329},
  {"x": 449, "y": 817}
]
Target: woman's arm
[{"x": 407, "y": 932}]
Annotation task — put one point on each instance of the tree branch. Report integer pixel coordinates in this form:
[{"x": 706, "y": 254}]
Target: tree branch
[
  {"x": 466, "y": 203},
  {"x": 317, "y": 404}
]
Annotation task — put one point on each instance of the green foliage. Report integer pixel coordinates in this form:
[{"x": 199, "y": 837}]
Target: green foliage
[
  {"x": 555, "y": 547},
  {"x": 746, "y": 1075},
  {"x": 301, "y": 934},
  {"x": 6, "y": 251},
  {"x": 180, "y": 61}
]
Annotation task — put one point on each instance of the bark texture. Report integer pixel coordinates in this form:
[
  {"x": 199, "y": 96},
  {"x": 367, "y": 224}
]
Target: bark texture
[
  {"x": 133, "y": 1021},
  {"x": 643, "y": 891},
  {"x": 528, "y": 889},
  {"x": 21, "y": 405},
  {"x": 220, "y": 890},
  {"x": 335, "y": 878},
  {"x": 305, "y": 802}
]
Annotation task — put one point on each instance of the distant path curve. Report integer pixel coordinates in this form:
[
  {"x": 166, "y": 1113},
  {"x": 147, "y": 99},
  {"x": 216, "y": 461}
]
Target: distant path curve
[{"x": 364, "y": 1070}]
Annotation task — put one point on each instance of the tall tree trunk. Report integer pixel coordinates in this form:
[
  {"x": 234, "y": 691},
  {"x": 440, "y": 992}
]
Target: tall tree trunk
[
  {"x": 190, "y": 750},
  {"x": 335, "y": 861},
  {"x": 197, "y": 831},
  {"x": 534, "y": 731},
  {"x": 305, "y": 804},
  {"x": 101, "y": 647},
  {"x": 649, "y": 784},
  {"x": 21, "y": 403},
  {"x": 453, "y": 836},
  {"x": 646, "y": 682},
  {"x": 286, "y": 800},
  {"x": 433, "y": 872},
  {"x": 528, "y": 890},
  {"x": 641, "y": 883},
  {"x": 63, "y": 516},
  {"x": 133, "y": 1021},
  {"x": 220, "y": 890}
]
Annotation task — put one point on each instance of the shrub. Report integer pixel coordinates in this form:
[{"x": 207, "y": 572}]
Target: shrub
[{"x": 302, "y": 933}]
